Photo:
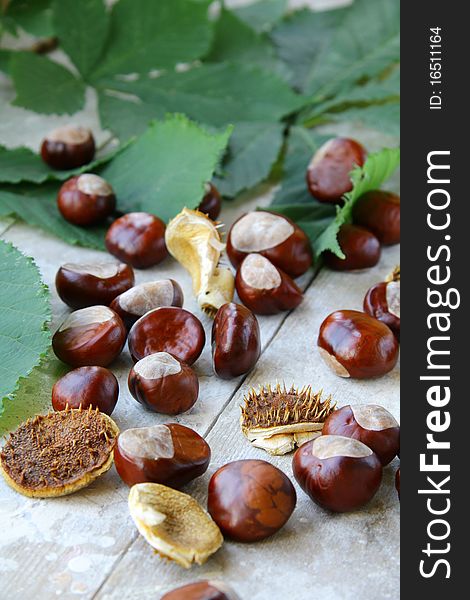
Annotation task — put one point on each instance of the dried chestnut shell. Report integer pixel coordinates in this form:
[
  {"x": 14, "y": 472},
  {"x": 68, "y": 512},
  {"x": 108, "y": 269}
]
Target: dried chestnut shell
[
  {"x": 137, "y": 239},
  {"x": 354, "y": 344},
  {"x": 211, "y": 204},
  {"x": 338, "y": 473},
  {"x": 139, "y": 300},
  {"x": 382, "y": 301},
  {"x": 85, "y": 387},
  {"x": 169, "y": 454},
  {"x": 264, "y": 288},
  {"x": 167, "y": 329},
  {"x": 81, "y": 285},
  {"x": 164, "y": 384},
  {"x": 202, "y": 590},
  {"x": 86, "y": 200},
  {"x": 371, "y": 424},
  {"x": 250, "y": 500},
  {"x": 360, "y": 247},
  {"x": 90, "y": 336},
  {"x": 274, "y": 236},
  {"x": 379, "y": 212},
  {"x": 236, "y": 341},
  {"x": 68, "y": 147},
  {"x": 328, "y": 174}
]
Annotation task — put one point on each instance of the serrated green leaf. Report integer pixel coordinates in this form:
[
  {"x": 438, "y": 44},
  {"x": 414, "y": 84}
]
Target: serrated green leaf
[
  {"x": 166, "y": 168},
  {"x": 5, "y": 56},
  {"x": 37, "y": 206},
  {"x": 253, "y": 149},
  {"x": 261, "y": 15},
  {"x": 146, "y": 35},
  {"x": 34, "y": 16},
  {"x": 45, "y": 86},
  {"x": 382, "y": 117},
  {"x": 24, "y": 315},
  {"x": 82, "y": 28}
]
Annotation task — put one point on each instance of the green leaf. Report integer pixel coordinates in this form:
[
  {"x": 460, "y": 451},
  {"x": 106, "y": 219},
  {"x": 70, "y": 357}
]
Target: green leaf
[
  {"x": 37, "y": 206},
  {"x": 166, "y": 168},
  {"x": 253, "y": 149},
  {"x": 382, "y": 117},
  {"x": 45, "y": 86},
  {"x": 34, "y": 16},
  {"x": 24, "y": 315},
  {"x": 5, "y": 56},
  {"x": 148, "y": 35},
  {"x": 262, "y": 15},
  {"x": 82, "y": 28}
]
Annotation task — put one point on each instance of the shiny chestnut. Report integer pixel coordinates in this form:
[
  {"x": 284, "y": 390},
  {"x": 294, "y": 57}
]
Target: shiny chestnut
[
  {"x": 236, "y": 340},
  {"x": 211, "y": 203},
  {"x": 86, "y": 200},
  {"x": 170, "y": 454},
  {"x": 250, "y": 500},
  {"x": 163, "y": 384},
  {"x": 274, "y": 236},
  {"x": 338, "y": 473},
  {"x": 202, "y": 590},
  {"x": 86, "y": 387},
  {"x": 167, "y": 329},
  {"x": 328, "y": 174},
  {"x": 397, "y": 481},
  {"x": 68, "y": 147},
  {"x": 371, "y": 424},
  {"x": 382, "y": 301},
  {"x": 354, "y": 344},
  {"x": 264, "y": 288},
  {"x": 87, "y": 284},
  {"x": 90, "y": 336},
  {"x": 137, "y": 239},
  {"x": 379, "y": 212},
  {"x": 360, "y": 247},
  {"x": 135, "y": 302}
]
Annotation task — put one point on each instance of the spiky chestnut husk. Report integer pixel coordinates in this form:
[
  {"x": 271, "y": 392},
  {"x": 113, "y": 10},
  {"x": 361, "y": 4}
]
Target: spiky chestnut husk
[
  {"x": 278, "y": 419},
  {"x": 58, "y": 453}
]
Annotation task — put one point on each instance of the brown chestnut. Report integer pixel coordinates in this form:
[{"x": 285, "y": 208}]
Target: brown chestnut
[
  {"x": 134, "y": 303},
  {"x": 338, "y": 473},
  {"x": 202, "y": 590},
  {"x": 371, "y": 424},
  {"x": 360, "y": 247},
  {"x": 138, "y": 239},
  {"x": 379, "y": 212},
  {"x": 167, "y": 329},
  {"x": 382, "y": 301},
  {"x": 86, "y": 200},
  {"x": 274, "y": 236},
  {"x": 86, "y": 387},
  {"x": 250, "y": 500},
  {"x": 170, "y": 454},
  {"x": 264, "y": 288},
  {"x": 236, "y": 341},
  {"x": 87, "y": 284},
  {"x": 90, "y": 336},
  {"x": 354, "y": 344},
  {"x": 328, "y": 174},
  {"x": 397, "y": 481},
  {"x": 164, "y": 384},
  {"x": 68, "y": 147},
  {"x": 211, "y": 204}
]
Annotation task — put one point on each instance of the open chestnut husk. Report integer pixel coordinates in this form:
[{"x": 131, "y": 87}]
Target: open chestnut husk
[
  {"x": 274, "y": 236},
  {"x": 84, "y": 387},
  {"x": 167, "y": 329},
  {"x": 264, "y": 288},
  {"x": 360, "y": 247},
  {"x": 250, "y": 500},
  {"x": 86, "y": 200},
  {"x": 354, "y": 344},
  {"x": 90, "y": 336},
  {"x": 168, "y": 454},
  {"x": 382, "y": 301},
  {"x": 371, "y": 424},
  {"x": 379, "y": 212},
  {"x": 211, "y": 203},
  {"x": 328, "y": 174},
  {"x": 202, "y": 590},
  {"x": 139, "y": 300},
  {"x": 68, "y": 147},
  {"x": 87, "y": 284},
  {"x": 163, "y": 384},
  {"x": 338, "y": 473},
  {"x": 236, "y": 341}
]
